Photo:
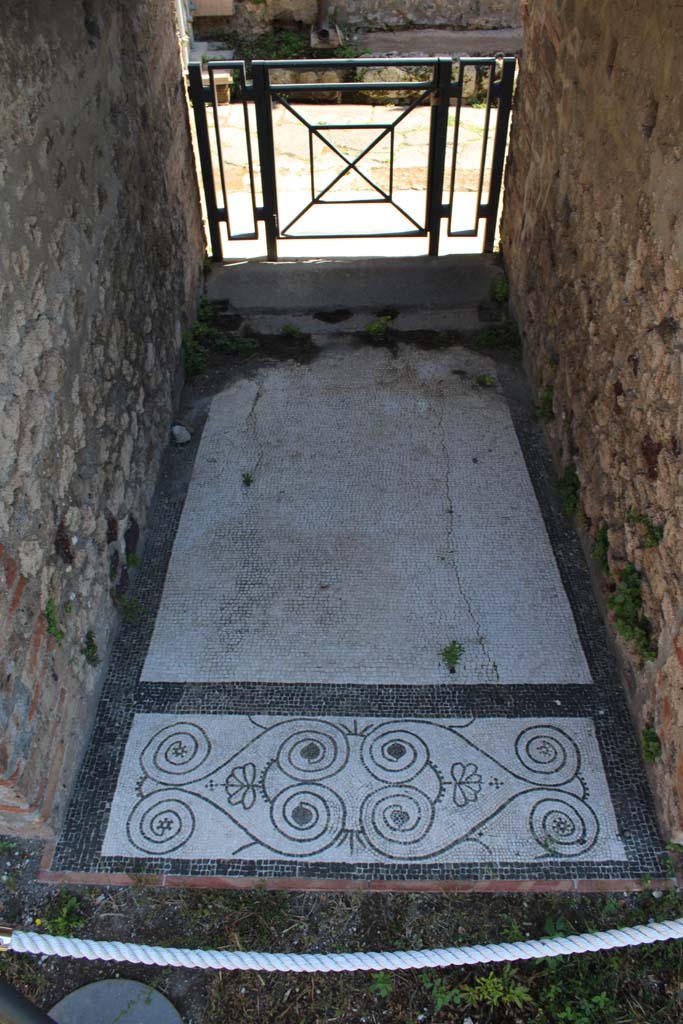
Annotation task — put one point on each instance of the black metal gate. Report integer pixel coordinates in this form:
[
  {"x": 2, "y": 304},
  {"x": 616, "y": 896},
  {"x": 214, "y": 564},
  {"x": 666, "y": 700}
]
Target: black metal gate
[{"x": 432, "y": 84}]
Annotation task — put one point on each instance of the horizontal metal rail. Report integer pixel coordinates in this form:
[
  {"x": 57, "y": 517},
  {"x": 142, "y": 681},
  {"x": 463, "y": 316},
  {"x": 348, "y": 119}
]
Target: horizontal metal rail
[{"x": 346, "y": 86}]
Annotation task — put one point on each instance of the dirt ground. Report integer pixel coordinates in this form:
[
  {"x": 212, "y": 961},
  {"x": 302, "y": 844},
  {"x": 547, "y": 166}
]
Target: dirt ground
[{"x": 638, "y": 986}]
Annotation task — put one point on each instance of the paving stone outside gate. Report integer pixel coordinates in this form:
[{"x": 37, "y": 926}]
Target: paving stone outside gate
[{"x": 280, "y": 709}]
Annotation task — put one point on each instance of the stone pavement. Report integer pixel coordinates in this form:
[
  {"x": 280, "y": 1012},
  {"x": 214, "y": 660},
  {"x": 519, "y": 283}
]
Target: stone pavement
[{"x": 281, "y": 709}]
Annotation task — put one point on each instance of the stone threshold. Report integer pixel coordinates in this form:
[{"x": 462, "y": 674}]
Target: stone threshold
[{"x": 221, "y": 882}]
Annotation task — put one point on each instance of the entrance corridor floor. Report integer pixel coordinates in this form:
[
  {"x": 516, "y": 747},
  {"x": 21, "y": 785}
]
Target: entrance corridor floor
[{"x": 282, "y": 710}]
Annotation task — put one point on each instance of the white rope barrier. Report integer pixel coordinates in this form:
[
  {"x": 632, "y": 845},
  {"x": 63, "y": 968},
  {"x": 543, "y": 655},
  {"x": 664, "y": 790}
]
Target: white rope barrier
[{"x": 225, "y": 960}]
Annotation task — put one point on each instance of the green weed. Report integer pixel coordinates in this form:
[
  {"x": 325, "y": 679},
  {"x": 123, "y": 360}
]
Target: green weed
[
  {"x": 89, "y": 649},
  {"x": 382, "y": 984},
  {"x": 544, "y": 409},
  {"x": 558, "y": 925},
  {"x": 492, "y": 990},
  {"x": 500, "y": 291},
  {"x": 485, "y": 380},
  {"x": 206, "y": 312},
  {"x": 441, "y": 993},
  {"x": 132, "y": 560},
  {"x": 568, "y": 488},
  {"x": 502, "y": 335},
  {"x": 284, "y": 44},
  {"x": 53, "y": 628},
  {"x": 452, "y": 654},
  {"x": 653, "y": 534},
  {"x": 65, "y": 916},
  {"x": 245, "y": 347},
  {"x": 130, "y": 608},
  {"x": 11, "y": 881},
  {"x": 601, "y": 548},
  {"x": 630, "y": 621},
  {"x": 291, "y": 331},
  {"x": 347, "y": 51},
  {"x": 379, "y": 328},
  {"x": 247, "y": 479},
  {"x": 549, "y": 845},
  {"x": 194, "y": 354},
  {"x": 510, "y": 930},
  {"x": 651, "y": 743}
]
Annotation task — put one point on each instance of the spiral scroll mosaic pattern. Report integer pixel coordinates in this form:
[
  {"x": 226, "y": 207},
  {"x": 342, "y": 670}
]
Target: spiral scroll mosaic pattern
[{"x": 362, "y": 790}]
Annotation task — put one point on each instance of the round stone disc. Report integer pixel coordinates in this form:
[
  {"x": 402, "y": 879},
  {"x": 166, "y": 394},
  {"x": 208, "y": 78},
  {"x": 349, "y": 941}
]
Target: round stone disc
[{"x": 116, "y": 999}]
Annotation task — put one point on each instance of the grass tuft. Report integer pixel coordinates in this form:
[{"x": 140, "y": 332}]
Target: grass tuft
[
  {"x": 630, "y": 621},
  {"x": 569, "y": 488},
  {"x": 452, "y": 654},
  {"x": 601, "y": 548}
]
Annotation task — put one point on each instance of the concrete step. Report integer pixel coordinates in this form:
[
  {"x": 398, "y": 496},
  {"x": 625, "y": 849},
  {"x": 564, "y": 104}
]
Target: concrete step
[
  {"x": 407, "y": 322},
  {"x": 425, "y": 285}
]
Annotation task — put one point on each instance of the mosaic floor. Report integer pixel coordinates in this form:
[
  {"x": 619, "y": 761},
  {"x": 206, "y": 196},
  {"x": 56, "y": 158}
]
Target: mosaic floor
[
  {"x": 390, "y": 513},
  {"x": 280, "y": 709}
]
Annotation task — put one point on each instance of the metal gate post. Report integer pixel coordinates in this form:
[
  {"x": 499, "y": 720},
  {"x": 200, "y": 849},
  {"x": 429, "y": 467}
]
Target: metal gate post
[
  {"x": 266, "y": 145},
  {"x": 198, "y": 98},
  {"x": 505, "y": 88},
  {"x": 437, "y": 151}
]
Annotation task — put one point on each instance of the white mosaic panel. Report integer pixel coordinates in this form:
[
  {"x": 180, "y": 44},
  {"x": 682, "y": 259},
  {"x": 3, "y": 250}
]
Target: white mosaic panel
[
  {"x": 362, "y": 790},
  {"x": 390, "y": 513}
]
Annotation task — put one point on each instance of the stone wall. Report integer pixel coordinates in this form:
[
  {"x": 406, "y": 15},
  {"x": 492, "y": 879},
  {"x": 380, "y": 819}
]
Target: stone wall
[
  {"x": 251, "y": 17},
  {"x": 593, "y": 244},
  {"x": 376, "y": 15},
  {"x": 101, "y": 252}
]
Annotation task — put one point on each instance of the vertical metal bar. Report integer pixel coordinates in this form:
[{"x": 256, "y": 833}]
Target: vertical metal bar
[
  {"x": 437, "y": 151},
  {"x": 247, "y": 136},
  {"x": 199, "y": 109},
  {"x": 391, "y": 163},
  {"x": 264, "y": 126},
  {"x": 499, "y": 146},
  {"x": 484, "y": 146},
  {"x": 219, "y": 149},
  {"x": 311, "y": 160},
  {"x": 456, "y": 139}
]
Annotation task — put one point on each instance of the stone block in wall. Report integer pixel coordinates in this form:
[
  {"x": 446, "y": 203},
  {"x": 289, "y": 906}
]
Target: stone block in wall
[
  {"x": 390, "y": 74},
  {"x": 379, "y": 15},
  {"x": 292, "y": 11},
  {"x": 469, "y": 82},
  {"x": 284, "y": 76}
]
